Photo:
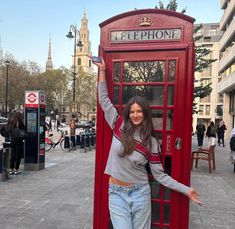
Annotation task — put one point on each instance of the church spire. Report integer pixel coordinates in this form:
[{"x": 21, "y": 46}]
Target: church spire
[{"x": 49, "y": 65}]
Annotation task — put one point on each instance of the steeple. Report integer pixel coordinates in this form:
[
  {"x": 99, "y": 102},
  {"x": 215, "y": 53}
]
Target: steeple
[
  {"x": 83, "y": 53},
  {"x": 49, "y": 65},
  {"x": 1, "y": 51}
]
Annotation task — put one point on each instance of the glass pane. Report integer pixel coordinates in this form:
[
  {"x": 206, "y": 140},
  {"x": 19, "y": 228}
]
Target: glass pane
[
  {"x": 115, "y": 95},
  {"x": 155, "y": 212},
  {"x": 117, "y": 71},
  {"x": 157, "y": 119},
  {"x": 144, "y": 71},
  {"x": 155, "y": 189},
  {"x": 166, "y": 218},
  {"x": 167, "y": 165},
  {"x": 167, "y": 193},
  {"x": 170, "y": 100},
  {"x": 171, "y": 70},
  {"x": 169, "y": 120},
  {"x": 154, "y": 94}
]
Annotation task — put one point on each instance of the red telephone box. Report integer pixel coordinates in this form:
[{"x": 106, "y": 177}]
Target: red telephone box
[{"x": 150, "y": 53}]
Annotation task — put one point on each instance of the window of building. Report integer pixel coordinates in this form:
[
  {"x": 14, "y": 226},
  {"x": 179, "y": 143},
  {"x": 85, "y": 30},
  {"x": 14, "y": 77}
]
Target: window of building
[
  {"x": 89, "y": 63},
  {"x": 79, "y": 61},
  {"x": 208, "y": 107},
  {"x": 201, "y": 110}
]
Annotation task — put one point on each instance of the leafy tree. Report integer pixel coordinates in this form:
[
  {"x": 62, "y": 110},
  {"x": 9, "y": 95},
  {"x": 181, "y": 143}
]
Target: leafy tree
[
  {"x": 55, "y": 85},
  {"x": 201, "y": 53},
  {"x": 85, "y": 92}
]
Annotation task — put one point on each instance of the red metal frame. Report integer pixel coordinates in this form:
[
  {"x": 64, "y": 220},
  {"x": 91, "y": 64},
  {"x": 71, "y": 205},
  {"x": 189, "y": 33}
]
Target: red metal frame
[{"x": 182, "y": 52}]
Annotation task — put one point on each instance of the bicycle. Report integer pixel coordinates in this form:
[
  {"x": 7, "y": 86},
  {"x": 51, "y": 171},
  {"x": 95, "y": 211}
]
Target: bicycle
[{"x": 49, "y": 143}]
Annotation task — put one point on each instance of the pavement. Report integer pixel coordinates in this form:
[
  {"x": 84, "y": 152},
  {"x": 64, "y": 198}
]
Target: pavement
[{"x": 61, "y": 195}]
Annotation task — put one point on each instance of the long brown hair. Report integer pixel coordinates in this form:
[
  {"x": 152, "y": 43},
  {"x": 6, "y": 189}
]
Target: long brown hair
[
  {"x": 15, "y": 120},
  {"x": 146, "y": 128}
]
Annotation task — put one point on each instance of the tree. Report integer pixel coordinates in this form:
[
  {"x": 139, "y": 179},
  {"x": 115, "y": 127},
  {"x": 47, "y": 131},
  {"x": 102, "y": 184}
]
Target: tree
[
  {"x": 201, "y": 53},
  {"x": 55, "y": 85},
  {"x": 85, "y": 92}
]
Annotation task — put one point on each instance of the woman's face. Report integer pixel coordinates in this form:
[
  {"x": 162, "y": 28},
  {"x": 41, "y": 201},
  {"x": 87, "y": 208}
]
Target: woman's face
[{"x": 136, "y": 114}]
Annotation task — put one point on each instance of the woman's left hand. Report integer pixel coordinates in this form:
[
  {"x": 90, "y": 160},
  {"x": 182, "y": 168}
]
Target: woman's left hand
[{"x": 194, "y": 196}]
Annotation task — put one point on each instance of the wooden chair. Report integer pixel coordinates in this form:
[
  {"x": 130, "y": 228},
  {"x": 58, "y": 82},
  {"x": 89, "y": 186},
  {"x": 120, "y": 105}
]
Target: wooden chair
[{"x": 204, "y": 154}]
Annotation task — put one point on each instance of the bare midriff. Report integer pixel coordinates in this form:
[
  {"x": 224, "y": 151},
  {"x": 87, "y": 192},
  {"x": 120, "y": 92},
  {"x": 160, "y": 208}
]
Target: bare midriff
[{"x": 113, "y": 180}]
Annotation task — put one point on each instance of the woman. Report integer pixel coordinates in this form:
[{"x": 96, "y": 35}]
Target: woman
[
  {"x": 211, "y": 134},
  {"x": 200, "y": 133},
  {"x": 220, "y": 132},
  {"x": 16, "y": 122},
  {"x": 232, "y": 148},
  {"x": 133, "y": 145}
]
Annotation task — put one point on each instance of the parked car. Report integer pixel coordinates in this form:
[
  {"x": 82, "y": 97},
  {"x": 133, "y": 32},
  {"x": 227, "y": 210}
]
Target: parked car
[
  {"x": 85, "y": 124},
  {"x": 3, "y": 121}
]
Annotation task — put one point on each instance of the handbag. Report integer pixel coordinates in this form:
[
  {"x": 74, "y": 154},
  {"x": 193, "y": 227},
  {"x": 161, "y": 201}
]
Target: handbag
[{"x": 18, "y": 133}]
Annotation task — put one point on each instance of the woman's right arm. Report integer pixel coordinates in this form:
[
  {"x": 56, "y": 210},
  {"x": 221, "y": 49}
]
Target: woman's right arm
[{"x": 104, "y": 101}]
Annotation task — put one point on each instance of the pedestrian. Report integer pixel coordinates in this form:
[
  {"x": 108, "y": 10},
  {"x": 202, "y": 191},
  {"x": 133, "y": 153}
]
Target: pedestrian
[
  {"x": 232, "y": 148},
  {"x": 15, "y": 125},
  {"x": 220, "y": 132},
  {"x": 72, "y": 125},
  {"x": 211, "y": 134},
  {"x": 200, "y": 133},
  {"x": 126, "y": 163}
]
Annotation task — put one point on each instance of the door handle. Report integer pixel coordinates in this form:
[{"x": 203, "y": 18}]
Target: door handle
[{"x": 178, "y": 143}]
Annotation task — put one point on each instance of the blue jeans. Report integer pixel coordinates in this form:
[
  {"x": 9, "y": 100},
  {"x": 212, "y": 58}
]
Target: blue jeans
[{"x": 130, "y": 206}]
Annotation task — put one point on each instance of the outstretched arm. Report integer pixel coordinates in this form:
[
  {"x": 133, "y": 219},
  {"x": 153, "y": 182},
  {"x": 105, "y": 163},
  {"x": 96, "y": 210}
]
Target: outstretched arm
[{"x": 104, "y": 101}]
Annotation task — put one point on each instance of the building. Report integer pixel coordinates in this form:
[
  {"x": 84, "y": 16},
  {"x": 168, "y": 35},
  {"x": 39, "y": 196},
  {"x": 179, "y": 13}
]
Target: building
[
  {"x": 82, "y": 58},
  {"x": 226, "y": 66},
  {"x": 209, "y": 107}
]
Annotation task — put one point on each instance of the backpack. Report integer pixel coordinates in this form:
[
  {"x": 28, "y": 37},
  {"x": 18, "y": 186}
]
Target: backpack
[
  {"x": 5, "y": 131},
  {"x": 213, "y": 130},
  {"x": 232, "y": 143},
  {"x": 200, "y": 129}
]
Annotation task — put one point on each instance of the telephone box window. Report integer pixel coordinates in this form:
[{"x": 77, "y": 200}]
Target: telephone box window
[
  {"x": 115, "y": 95},
  {"x": 170, "y": 99},
  {"x": 171, "y": 71},
  {"x": 155, "y": 211},
  {"x": 169, "y": 119},
  {"x": 154, "y": 94},
  {"x": 157, "y": 117},
  {"x": 117, "y": 71},
  {"x": 155, "y": 189},
  {"x": 144, "y": 71},
  {"x": 166, "y": 213}
]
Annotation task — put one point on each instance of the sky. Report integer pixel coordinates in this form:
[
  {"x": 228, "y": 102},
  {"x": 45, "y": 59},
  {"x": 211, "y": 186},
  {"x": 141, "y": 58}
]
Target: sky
[{"x": 26, "y": 25}]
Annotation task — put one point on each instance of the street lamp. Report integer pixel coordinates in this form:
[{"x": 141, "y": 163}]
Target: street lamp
[
  {"x": 73, "y": 33},
  {"x": 7, "y": 63}
]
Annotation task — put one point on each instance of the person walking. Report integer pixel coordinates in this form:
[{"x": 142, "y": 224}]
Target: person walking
[
  {"x": 133, "y": 146},
  {"x": 211, "y": 134},
  {"x": 72, "y": 125},
  {"x": 200, "y": 128},
  {"x": 220, "y": 132},
  {"x": 16, "y": 124},
  {"x": 232, "y": 148}
]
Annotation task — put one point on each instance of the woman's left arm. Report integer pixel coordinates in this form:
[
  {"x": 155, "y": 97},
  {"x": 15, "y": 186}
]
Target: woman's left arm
[{"x": 166, "y": 180}]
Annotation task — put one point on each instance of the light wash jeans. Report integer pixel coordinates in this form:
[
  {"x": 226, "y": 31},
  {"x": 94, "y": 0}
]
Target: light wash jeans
[{"x": 130, "y": 206}]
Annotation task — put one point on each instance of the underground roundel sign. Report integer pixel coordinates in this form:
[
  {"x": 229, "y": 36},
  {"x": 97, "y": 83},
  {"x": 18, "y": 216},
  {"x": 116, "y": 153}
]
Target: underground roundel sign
[{"x": 34, "y": 98}]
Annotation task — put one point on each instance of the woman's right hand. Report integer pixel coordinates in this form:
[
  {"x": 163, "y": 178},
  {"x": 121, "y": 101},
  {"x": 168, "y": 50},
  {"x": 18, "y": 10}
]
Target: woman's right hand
[{"x": 101, "y": 65}]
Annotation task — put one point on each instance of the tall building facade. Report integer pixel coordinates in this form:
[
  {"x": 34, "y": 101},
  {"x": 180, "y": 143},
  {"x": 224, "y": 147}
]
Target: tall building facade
[
  {"x": 209, "y": 107},
  {"x": 82, "y": 59},
  {"x": 226, "y": 66}
]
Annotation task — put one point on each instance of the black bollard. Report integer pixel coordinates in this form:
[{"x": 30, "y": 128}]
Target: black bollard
[
  {"x": 78, "y": 142},
  {"x": 73, "y": 140}
]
